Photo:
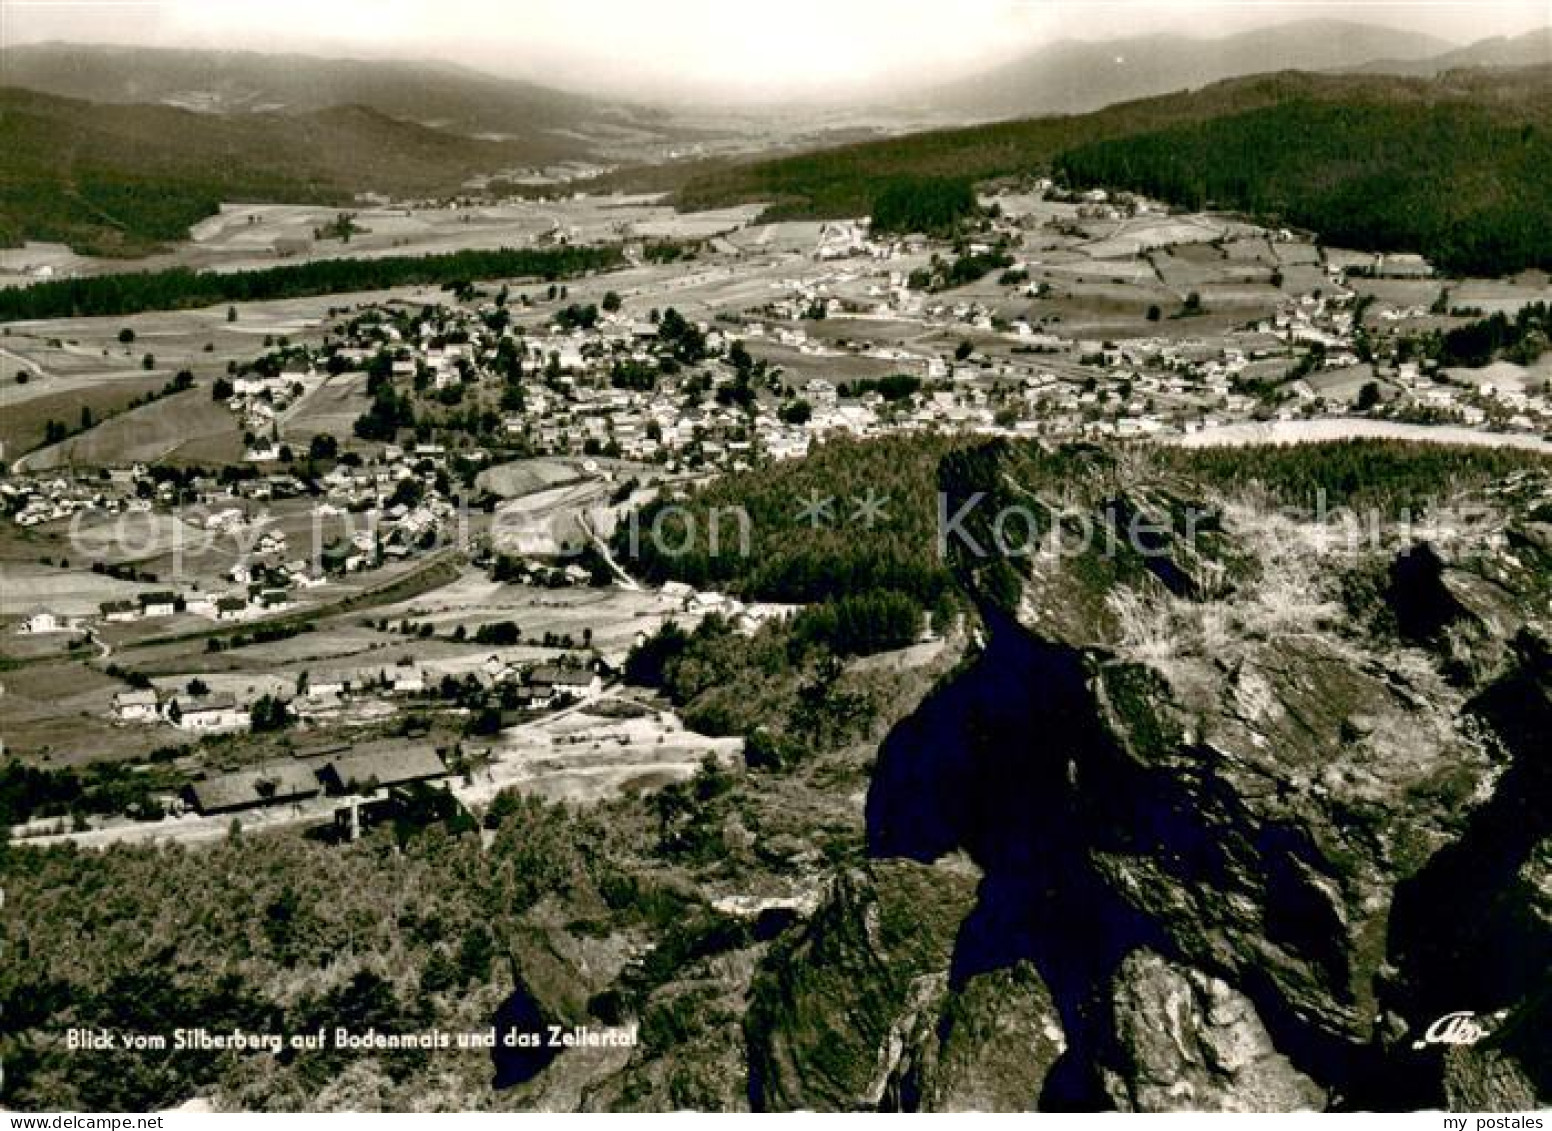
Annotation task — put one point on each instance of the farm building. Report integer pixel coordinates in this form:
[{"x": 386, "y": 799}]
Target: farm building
[
  {"x": 158, "y": 604},
  {"x": 550, "y": 681},
  {"x": 366, "y": 770},
  {"x": 322, "y": 685},
  {"x": 118, "y": 610},
  {"x": 135, "y": 706},
  {"x": 207, "y": 712},
  {"x": 248, "y": 789},
  {"x": 40, "y": 621},
  {"x": 407, "y": 679},
  {"x": 417, "y": 802}
]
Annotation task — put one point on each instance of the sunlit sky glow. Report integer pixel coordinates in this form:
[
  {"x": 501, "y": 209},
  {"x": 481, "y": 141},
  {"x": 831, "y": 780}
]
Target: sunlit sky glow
[{"x": 790, "y": 48}]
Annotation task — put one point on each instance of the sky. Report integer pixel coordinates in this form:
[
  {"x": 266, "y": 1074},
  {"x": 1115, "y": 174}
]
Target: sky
[{"x": 699, "y": 48}]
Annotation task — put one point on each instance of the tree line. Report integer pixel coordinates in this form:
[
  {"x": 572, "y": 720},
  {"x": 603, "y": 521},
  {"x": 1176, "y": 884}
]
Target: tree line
[
  {"x": 178, "y": 287},
  {"x": 1521, "y": 338},
  {"x": 803, "y": 556},
  {"x": 935, "y": 206}
]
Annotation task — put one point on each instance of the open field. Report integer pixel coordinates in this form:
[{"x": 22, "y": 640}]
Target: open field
[
  {"x": 33, "y": 259},
  {"x": 1506, "y": 296},
  {"x": 1118, "y": 271},
  {"x": 187, "y": 427},
  {"x": 615, "y": 616},
  {"x": 1399, "y": 293},
  {"x": 58, "y": 714},
  {"x": 68, "y": 592},
  {"x": 248, "y": 236},
  {"x": 1505, "y": 375},
  {"x": 582, "y": 756},
  {"x": 776, "y": 238},
  {"x": 525, "y": 477},
  {"x": 330, "y": 408},
  {"x": 1143, "y": 233},
  {"x": 66, "y": 352},
  {"x": 547, "y": 523},
  {"x": 798, "y": 368},
  {"x": 24, "y": 422}
]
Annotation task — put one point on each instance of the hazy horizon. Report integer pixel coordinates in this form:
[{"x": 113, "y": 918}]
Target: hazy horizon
[{"x": 686, "y": 49}]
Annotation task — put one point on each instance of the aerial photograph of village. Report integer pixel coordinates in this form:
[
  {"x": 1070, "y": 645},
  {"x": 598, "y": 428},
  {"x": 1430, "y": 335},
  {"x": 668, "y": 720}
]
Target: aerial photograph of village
[{"x": 658, "y": 556}]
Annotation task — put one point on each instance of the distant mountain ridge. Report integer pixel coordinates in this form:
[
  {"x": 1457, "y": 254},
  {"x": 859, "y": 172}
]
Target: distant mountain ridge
[
  {"x": 117, "y": 150},
  {"x": 1532, "y": 49},
  {"x": 122, "y": 179},
  {"x": 1074, "y": 76},
  {"x": 439, "y": 95}
]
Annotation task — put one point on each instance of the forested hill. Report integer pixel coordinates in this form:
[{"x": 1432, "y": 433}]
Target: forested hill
[
  {"x": 1454, "y": 167},
  {"x": 1469, "y": 190},
  {"x": 123, "y": 178}
]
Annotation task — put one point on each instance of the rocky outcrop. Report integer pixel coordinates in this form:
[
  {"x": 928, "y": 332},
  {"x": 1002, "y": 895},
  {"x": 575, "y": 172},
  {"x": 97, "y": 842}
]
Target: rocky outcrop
[
  {"x": 1186, "y": 1041},
  {"x": 843, "y": 1006},
  {"x": 862, "y": 1008},
  {"x": 1223, "y": 816},
  {"x": 1264, "y": 816},
  {"x": 998, "y": 1041},
  {"x": 1473, "y": 930},
  {"x": 691, "y": 1055},
  {"x": 1211, "y": 798},
  {"x": 1467, "y": 614}
]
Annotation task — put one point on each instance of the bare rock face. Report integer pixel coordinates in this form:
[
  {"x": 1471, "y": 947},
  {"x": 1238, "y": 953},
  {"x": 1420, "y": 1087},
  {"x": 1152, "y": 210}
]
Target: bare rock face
[
  {"x": 1186, "y": 1041},
  {"x": 1222, "y": 822},
  {"x": 863, "y": 1009},
  {"x": 1264, "y": 815},
  {"x": 1001, "y": 1038},
  {"x": 1258, "y": 805},
  {"x": 841, "y": 1009},
  {"x": 1474, "y": 930},
  {"x": 1488, "y": 1080}
]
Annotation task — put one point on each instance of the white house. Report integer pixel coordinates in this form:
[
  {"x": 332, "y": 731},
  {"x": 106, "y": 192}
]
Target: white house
[
  {"x": 326, "y": 684},
  {"x": 207, "y": 713},
  {"x": 135, "y": 706},
  {"x": 549, "y": 682},
  {"x": 41, "y": 621},
  {"x": 158, "y": 604},
  {"x": 407, "y": 679}
]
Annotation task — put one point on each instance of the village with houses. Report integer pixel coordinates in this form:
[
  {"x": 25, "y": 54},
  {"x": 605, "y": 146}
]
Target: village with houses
[
  {"x": 472, "y": 449},
  {"x": 894, "y": 558}
]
